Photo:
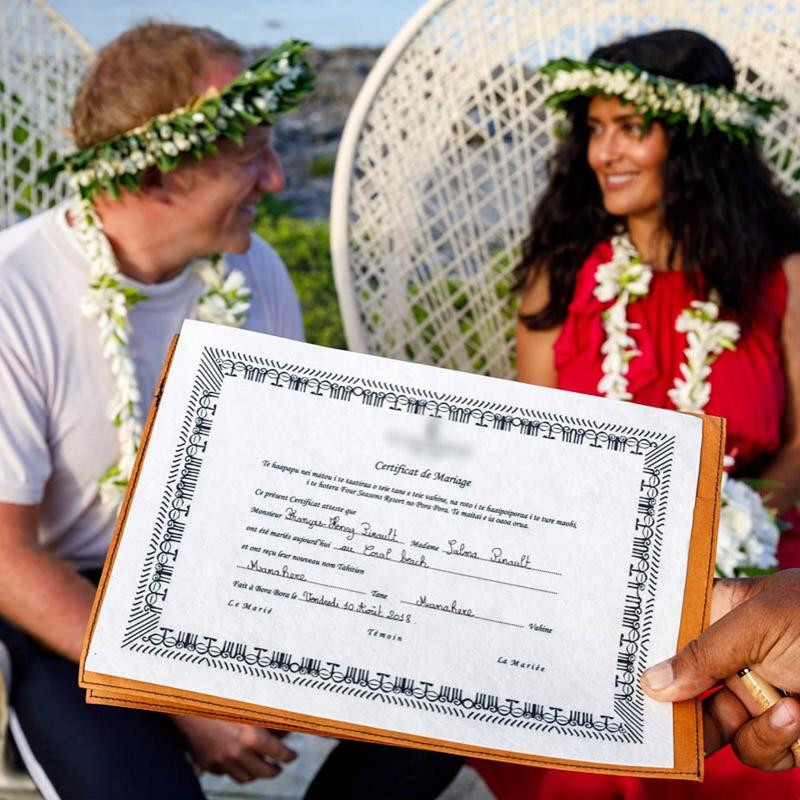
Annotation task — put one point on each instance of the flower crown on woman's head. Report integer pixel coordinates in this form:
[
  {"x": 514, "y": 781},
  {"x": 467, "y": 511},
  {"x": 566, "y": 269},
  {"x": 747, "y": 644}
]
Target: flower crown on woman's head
[
  {"x": 702, "y": 107},
  {"x": 273, "y": 84}
]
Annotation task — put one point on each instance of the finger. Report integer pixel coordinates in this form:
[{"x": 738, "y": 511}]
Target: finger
[
  {"x": 266, "y": 744},
  {"x": 764, "y": 742},
  {"x": 234, "y": 768},
  {"x": 733, "y": 641},
  {"x": 256, "y": 766},
  {"x": 737, "y": 686},
  {"x": 723, "y": 714}
]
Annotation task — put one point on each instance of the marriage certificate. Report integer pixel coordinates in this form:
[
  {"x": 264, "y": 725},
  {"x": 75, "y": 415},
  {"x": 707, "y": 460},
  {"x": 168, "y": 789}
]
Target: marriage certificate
[{"x": 326, "y": 541}]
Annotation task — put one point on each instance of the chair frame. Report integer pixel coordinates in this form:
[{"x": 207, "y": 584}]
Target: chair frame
[
  {"x": 407, "y": 236},
  {"x": 340, "y": 194}
]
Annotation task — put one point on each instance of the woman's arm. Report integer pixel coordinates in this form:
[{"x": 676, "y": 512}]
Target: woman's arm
[
  {"x": 784, "y": 469},
  {"x": 535, "y": 359}
]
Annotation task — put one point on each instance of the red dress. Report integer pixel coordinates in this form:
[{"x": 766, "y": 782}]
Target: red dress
[{"x": 748, "y": 389}]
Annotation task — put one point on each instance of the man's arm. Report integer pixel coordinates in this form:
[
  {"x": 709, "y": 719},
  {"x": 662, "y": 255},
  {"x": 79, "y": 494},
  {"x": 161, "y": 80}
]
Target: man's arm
[
  {"x": 46, "y": 598},
  {"x": 39, "y": 592},
  {"x": 756, "y": 623}
]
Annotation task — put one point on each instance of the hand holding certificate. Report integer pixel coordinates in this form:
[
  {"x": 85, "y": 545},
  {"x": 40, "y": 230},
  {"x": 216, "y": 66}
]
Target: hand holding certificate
[{"x": 332, "y": 542}]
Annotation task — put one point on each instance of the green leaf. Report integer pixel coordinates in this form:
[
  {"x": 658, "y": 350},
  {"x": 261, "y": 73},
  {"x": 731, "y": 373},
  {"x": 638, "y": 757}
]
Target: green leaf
[
  {"x": 753, "y": 572},
  {"x": 110, "y": 473}
]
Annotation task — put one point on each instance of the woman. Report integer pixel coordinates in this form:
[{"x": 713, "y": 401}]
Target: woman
[{"x": 654, "y": 204}]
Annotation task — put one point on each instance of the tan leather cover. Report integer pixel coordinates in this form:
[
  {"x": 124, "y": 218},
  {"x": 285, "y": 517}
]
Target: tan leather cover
[{"x": 688, "y": 730}]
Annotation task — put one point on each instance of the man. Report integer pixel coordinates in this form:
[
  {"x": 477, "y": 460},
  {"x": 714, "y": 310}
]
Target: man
[
  {"x": 59, "y": 378},
  {"x": 90, "y": 295}
]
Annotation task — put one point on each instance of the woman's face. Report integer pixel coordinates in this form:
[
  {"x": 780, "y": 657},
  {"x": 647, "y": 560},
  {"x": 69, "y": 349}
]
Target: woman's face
[{"x": 628, "y": 163}]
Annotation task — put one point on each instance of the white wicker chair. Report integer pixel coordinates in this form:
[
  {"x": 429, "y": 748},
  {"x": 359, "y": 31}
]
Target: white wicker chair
[
  {"x": 14, "y": 781},
  {"x": 446, "y": 151},
  {"x": 42, "y": 59}
]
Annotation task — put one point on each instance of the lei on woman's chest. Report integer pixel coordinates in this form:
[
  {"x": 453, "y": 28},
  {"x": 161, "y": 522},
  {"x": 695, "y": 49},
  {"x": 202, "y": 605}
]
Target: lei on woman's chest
[{"x": 624, "y": 280}]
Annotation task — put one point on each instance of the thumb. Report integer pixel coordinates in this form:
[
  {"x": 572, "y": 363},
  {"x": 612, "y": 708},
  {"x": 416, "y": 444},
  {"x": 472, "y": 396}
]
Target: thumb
[{"x": 733, "y": 642}]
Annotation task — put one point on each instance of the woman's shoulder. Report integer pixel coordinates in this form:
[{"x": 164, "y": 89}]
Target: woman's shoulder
[
  {"x": 791, "y": 271},
  {"x": 787, "y": 281}
]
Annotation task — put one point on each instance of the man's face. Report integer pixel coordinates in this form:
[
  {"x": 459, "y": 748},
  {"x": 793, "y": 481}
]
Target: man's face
[
  {"x": 218, "y": 196},
  {"x": 215, "y": 200}
]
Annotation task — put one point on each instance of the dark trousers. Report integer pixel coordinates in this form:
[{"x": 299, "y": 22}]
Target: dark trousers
[
  {"x": 362, "y": 771},
  {"x": 92, "y": 752}
]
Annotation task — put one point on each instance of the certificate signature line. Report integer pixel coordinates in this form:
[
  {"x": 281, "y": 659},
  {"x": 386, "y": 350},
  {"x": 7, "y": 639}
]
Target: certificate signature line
[
  {"x": 505, "y": 564},
  {"x": 493, "y": 580},
  {"x": 449, "y": 572},
  {"x": 463, "y": 616},
  {"x": 376, "y": 538},
  {"x": 304, "y": 580}
]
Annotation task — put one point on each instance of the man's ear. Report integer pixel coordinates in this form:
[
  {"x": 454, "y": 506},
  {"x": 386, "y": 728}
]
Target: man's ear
[
  {"x": 153, "y": 186},
  {"x": 169, "y": 187}
]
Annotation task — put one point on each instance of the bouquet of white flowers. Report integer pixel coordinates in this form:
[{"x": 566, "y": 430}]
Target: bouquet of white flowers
[{"x": 748, "y": 532}]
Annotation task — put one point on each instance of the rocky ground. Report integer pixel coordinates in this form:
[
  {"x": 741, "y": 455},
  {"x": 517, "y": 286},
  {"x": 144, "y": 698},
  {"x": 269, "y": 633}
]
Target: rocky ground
[{"x": 307, "y": 139}]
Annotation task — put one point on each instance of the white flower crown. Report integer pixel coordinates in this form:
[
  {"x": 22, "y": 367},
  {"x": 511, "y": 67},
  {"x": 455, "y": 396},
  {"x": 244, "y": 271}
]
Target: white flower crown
[
  {"x": 256, "y": 96},
  {"x": 702, "y": 107}
]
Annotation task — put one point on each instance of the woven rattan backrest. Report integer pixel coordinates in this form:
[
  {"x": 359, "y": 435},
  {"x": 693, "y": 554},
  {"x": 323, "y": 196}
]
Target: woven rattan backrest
[
  {"x": 446, "y": 151},
  {"x": 42, "y": 60}
]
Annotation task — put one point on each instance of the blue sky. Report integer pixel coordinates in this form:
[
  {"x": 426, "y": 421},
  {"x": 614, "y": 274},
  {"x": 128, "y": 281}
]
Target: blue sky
[{"x": 325, "y": 23}]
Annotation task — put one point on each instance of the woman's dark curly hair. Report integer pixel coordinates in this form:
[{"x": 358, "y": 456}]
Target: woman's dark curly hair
[{"x": 724, "y": 214}]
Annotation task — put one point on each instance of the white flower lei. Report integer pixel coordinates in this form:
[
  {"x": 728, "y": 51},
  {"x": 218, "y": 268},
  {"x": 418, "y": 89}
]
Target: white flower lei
[
  {"x": 748, "y": 533},
  {"x": 625, "y": 279},
  {"x": 226, "y": 300}
]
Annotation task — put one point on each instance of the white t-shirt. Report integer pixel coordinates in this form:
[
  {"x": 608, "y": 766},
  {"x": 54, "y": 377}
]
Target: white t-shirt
[{"x": 56, "y": 438}]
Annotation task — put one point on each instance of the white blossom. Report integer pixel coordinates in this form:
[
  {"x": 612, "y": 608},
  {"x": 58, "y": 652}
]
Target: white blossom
[
  {"x": 748, "y": 534},
  {"x": 706, "y": 338},
  {"x": 182, "y": 142},
  {"x": 623, "y": 279}
]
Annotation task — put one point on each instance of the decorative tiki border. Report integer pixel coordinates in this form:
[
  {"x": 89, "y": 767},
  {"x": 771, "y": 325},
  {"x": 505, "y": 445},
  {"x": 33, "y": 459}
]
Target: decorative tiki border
[{"x": 145, "y": 634}]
